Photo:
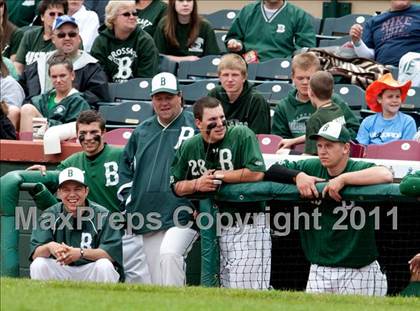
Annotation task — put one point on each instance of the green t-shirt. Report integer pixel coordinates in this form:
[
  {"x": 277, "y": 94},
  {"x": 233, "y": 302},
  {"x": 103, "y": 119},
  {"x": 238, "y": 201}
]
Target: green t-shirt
[
  {"x": 239, "y": 149},
  {"x": 101, "y": 175},
  {"x": 22, "y": 12},
  {"x": 32, "y": 45},
  {"x": 327, "y": 246},
  {"x": 92, "y": 234},
  {"x": 319, "y": 118},
  {"x": 205, "y": 44},
  {"x": 149, "y": 17}
]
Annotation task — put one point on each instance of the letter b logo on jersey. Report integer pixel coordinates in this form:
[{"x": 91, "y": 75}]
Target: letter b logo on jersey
[{"x": 111, "y": 174}]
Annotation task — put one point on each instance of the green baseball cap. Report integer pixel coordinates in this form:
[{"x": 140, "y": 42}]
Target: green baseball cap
[{"x": 333, "y": 131}]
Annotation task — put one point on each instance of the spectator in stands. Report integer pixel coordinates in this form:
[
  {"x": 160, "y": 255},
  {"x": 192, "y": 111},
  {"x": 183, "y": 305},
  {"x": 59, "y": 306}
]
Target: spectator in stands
[
  {"x": 22, "y": 12},
  {"x": 292, "y": 112},
  {"x": 389, "y": 36},
  {"x": 9, "y": 41},
  {"x": 7, "y": 129},
  {"x": 149, "y": 13},
  {"x": 60, "y": 105},
  {"x": 37, "y": 41},
  {"x": 11, "y": 93},
  {"x": 98, "y": 160},
  {"x": 90, "y": 78},
  {"x": 227, "y": 154},
  {"x": 240, "y": 101},
  {"x": 272, "y": 28},
  {"x": 124, "y": 50},
  {"x": 91, "y": 252},
  {"x": 385, "y": 96},
  {"x": 88, "y": 22},
  {"x": 182, "y": 35},
  {"x": 342, "y": 261},
  {"x": 145, "y": 188},
  {"x": 320, "y": 90}
]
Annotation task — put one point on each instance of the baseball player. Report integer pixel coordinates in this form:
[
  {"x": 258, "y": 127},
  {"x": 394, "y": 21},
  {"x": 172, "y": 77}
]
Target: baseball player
[
  {"x": 145, "y": 190},
  {"x": 75, "y": 247},
  {"x": 221, "y": 154},
  {"x": 342, "y": 255}
]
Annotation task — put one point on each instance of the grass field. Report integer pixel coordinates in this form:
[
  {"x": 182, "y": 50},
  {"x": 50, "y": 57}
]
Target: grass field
[{"x": 24, "y": 294}]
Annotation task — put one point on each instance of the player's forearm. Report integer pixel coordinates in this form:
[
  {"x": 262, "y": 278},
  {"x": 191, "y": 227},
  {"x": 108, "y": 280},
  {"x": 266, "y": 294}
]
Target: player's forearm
[
  {"x": 41, "y": 251},
  {"x": 369, "y": 176},
  {"x": 185, "y": 187},
  {"x": 94, "y": 254},
  {"x": 240, "y": 176}
]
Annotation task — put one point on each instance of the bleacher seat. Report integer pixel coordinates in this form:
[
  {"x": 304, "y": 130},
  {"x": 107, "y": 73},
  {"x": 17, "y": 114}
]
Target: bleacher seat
[
  {"x": 352, "y": 94},
  {"x": 134, "y": 89},
  {"x": 119, "y": 136},
  {"x": 220, "y": 37},
  {"x": 204, "y": 68},
  {"x": 222, "y": 19},
  {"x": 273, "y": 91},
  {"x": 269, "y": 143},
  {"x": 339, "y": 26},
  {"x": 415, "y": 115},
  {"x": 335, "y": 42},
  {"x": 316, "y": 23},
  {"x": 126, "y": 114},
  {"x": 412, "y": 101},
  {"x": 357, "y": 150},
  {"x": 193, "y": 91},
  {"x": 273, "y": 69},
  {"x": 396, "y": 150}
]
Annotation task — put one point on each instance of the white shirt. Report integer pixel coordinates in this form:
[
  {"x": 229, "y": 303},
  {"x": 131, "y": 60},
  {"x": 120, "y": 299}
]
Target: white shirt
[{"x": 88, "y": 22}]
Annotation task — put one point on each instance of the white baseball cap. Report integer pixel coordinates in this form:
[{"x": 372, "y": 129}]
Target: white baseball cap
[
  {"x": 164, "y": 82},
  {"x": 333, "y": 131},
  {"x": 71, "y": 173}
]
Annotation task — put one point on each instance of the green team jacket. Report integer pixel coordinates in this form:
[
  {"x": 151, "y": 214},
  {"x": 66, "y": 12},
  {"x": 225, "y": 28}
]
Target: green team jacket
[
  {"x": 291, "y": 115},
  {"x": 149, "y": 17},
  {"x": 135, "y": 57},
  {"x": 326, "y": 246},
  {"x": 32, "y": 45},
  {"x": 144, "y": 184},
  {"x": 324, "y": 115},
  {"x": 205, "y": 44},
  {"x": 288, "y": 30},
  {"x": 66, "y": 111},
  {"x": 95, "y": 232},
  {"x": 101, "y": 175},
  {"x": 238, "y": 149},
  {"x": 249, "y": 108}
]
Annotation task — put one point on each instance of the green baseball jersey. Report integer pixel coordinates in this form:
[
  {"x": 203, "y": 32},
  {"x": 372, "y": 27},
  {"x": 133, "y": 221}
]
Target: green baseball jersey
[
  {"x": 238, "y": 149},
  {"x": 67, "y": 110},
  {"x": 149, "y": 17},
  {"x": 324, "y": 115},
  {"x": 144, "y": 173},
  {"x": 33, "y": 45},
  {"x": 335, "y": 247},
  {"x": 205, "y": 44},
  {"x": 135, "y": 57},
  {"x": 287, "y": 30},
  {"x": 291, "y": 115},
  {"x": 101, "y": 175},
  {"x": 91, "y": 233},
  {"x": 249, "y": 108},
  {"x": 22, "y": 12}
]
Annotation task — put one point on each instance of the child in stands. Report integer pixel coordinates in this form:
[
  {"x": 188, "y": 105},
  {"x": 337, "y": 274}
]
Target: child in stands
[{"x": 385, "y": 97}]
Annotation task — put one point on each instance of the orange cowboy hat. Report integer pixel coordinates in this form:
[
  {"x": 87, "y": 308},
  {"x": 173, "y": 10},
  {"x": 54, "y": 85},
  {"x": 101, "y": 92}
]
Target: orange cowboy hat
[{"x": 386, "y": 82}]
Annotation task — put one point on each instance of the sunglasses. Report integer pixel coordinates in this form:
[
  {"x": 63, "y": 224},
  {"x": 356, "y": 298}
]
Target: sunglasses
[
  {"x": 62, "y": 35},
  {"x": 128, "y": 14},
  {"x": 52, "y": 14}
]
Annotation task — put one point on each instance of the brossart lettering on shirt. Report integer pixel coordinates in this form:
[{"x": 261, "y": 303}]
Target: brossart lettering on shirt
[
  {"x": 144, "y": 23},
  {"x": 124, "y": 58},
  {"x": 32, "y": 57}
]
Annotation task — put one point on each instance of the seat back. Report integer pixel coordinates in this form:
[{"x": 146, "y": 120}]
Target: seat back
[
  {"x": 395, "y": 150},
  {"x": 204, "y": 68},
  {"x": 220, "y": 37},
  {"x": 412, "y": 101},
  {"x": 352, "y": 94},
  {"x": 222, "y": 19},
  {"x": 357, "y": 150},
  {"x": 273, "y": 91},
  {"x": 268, "y": 143},
  {"x": 335, "y": 42},
  {"x": 126, "y": 114},
  {"x": 193, "y": 91},
  {"x": 340, "y": 26},
  {"x": 274, "y": 69},
  {"x": 134, "y": 89},
  {"x": 119, "y": 136}
]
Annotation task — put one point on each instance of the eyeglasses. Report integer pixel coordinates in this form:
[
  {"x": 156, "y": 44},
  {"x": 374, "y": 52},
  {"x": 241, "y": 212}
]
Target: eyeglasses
[
  {"x": 128, "y": 14},
  {"x": 53, "y": 14},
  {"x": 62, "y": 35}
]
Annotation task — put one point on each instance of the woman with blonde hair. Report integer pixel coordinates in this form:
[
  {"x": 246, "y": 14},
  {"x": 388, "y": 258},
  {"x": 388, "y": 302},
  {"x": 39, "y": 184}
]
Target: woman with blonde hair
[{"x": 183, "y": 35}]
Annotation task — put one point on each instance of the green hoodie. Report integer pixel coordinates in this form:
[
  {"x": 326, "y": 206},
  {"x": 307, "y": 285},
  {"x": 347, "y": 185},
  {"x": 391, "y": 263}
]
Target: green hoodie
[
  {"x": 291, "y": 115},
  {"x": 135, "y": 57},
  {"x": 250, "y": 108}
]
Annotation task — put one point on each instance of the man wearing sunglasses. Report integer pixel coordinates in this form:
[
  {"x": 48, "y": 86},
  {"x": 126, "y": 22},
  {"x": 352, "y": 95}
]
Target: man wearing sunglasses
[{"x": 90, "y": 78}]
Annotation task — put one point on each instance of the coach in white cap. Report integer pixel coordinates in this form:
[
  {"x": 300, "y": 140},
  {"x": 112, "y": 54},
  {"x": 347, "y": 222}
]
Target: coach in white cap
[
  {"x": 145, "y": 189},
  {"x": 74, "y": 239},
  {"x": 342, "y": 253}
]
